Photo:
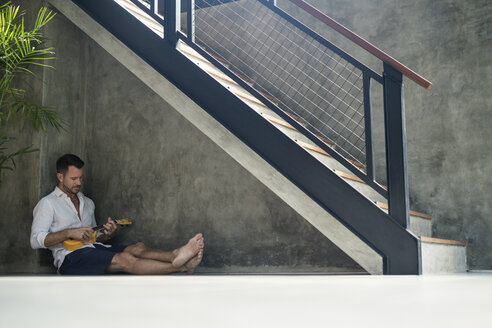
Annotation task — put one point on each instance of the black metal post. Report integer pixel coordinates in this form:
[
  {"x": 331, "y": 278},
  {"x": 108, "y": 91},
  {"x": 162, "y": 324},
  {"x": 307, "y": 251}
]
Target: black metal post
[
  {"x": 190, "y": 27},
  {"x": 396, "y": 145},
  {"x": 172, "y": 20},
  {"x": 368, "y": 126},
  {"x": 161, "y": 7}
]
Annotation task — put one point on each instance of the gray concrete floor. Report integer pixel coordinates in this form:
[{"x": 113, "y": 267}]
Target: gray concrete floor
[{"x": 246, "y": 301}]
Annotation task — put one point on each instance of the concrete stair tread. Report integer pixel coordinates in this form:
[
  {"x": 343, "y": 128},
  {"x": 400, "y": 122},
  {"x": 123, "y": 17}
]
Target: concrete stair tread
[
  {"x": 443, "y": 241},
  {"x": 281, "y": 122},
  {"x": 414, "y": 213},
  {"x": 443, "y": 256},
  {"x": 142, "y": 16},
  {"x": 321, "y": 151}
]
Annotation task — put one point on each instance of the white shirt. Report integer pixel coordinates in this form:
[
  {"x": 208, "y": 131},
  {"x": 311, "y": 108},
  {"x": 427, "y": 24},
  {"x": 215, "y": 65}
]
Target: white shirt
[{"x": 56, "y": 212}]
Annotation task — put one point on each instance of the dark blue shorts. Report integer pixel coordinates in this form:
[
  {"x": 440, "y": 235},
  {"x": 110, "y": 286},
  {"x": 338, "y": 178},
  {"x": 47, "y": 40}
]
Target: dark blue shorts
[{"x": 89, "y": 261}]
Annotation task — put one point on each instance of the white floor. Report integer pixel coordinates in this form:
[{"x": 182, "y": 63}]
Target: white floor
[{"x": 246, "y": 301}]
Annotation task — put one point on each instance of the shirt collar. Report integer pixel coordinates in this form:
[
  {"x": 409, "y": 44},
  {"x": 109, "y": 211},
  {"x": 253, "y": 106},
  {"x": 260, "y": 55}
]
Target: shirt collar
[{"x": 60, "y": 193}]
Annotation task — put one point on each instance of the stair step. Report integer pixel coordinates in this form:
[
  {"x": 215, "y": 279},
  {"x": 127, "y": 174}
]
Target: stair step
[
  {"x": 283, "y": 123},
  {"x": 414, "y": 213},
  {"x": 142, "y": 16},
  {"x": 443, "y": 256},
  {"x": 321, "y": 151},
  {"x": 443, "y": 241},
  {"x": 349, "y": 176},
  {"x": 420, "y": 226},
  {"x": 278, "y": 121},
  {"x": 185, "y": 49}
]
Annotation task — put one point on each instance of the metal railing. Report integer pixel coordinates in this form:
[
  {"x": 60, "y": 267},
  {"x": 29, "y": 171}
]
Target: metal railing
[
  {"x": 309, "y": 80},
  {"x": 420, "y": 80},
  {"x": 315, "y": 86}
]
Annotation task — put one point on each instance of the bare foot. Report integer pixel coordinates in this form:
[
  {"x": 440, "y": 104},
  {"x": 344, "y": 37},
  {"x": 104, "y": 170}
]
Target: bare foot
[
  {"x": 188, "y": 251},
  {"x": 191, "y": 265}
]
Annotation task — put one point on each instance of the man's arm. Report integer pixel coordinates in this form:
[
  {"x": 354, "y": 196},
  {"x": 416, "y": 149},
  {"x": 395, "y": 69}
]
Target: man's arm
[
  {"x": 82, "y": 234},
  {"x": 41, "y": 223}
]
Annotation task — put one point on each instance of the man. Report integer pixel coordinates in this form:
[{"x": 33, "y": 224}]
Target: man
[{"x": 67, "y": 213}]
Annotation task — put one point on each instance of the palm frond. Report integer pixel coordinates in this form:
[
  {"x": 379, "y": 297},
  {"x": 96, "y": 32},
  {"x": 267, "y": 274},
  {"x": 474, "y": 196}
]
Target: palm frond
[
  {"x": 23, "y": 113},
  {"x": 20, "y": 50},
  {"x": 7, "y": 161}
]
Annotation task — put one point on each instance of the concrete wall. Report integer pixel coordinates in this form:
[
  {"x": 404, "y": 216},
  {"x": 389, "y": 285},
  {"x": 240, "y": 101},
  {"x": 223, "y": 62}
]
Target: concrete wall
[
  {"x": 145, "y": 161},
  {"x": 448, "y": 128}
]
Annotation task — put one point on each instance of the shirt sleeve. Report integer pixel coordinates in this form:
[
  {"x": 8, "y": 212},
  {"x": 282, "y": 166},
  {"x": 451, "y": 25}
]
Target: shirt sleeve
[
  {"x": 41, "y": 223},
  {"x": 93, "y": 211}
]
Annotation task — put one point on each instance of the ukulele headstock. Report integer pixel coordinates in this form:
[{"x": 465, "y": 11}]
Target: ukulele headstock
[{"x": 123, "y": 222}]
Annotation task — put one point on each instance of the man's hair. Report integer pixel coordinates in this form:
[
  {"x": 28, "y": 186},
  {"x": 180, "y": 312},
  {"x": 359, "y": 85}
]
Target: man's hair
[{"x": 66, "y": 160}]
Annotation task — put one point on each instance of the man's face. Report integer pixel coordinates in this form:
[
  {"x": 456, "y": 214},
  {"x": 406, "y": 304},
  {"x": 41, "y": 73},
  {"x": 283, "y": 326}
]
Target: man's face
[{"x": 71, "y": 181}]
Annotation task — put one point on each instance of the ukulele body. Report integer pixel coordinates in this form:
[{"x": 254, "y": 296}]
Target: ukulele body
[{"x": 73, "y": 244}]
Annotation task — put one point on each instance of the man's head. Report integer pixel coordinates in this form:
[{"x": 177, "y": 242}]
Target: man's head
[{"x": 69, "y": 173}]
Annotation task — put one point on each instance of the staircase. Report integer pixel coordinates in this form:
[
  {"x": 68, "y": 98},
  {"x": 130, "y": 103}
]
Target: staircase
[
  {"x": 438, "y": 255},
  {"x": 339, "y": 183}
]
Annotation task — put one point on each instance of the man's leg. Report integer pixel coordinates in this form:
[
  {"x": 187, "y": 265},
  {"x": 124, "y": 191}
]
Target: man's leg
[
  {"x": 126, "y": 262},
  {"x": 141, "y": 250},
  {"x": 177, "y": 257}
]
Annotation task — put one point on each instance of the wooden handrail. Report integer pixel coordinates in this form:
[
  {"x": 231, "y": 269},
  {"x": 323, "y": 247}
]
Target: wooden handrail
[{"x": 364, "y": 44}]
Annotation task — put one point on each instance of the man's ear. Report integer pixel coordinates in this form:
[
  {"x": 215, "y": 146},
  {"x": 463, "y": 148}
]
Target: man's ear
[{"x": 59, "y": 176}]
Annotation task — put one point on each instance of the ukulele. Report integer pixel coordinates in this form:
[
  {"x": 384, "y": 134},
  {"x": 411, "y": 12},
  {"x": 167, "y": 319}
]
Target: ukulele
[{"x": 72, "y": 244}]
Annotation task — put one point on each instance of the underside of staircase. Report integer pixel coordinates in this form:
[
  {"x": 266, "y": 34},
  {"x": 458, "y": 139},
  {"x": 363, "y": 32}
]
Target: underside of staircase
[{"x": 341, "y": 205}]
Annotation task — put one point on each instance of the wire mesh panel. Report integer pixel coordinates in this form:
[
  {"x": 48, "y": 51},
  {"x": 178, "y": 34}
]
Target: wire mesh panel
[{"x": 309, "y": 80}]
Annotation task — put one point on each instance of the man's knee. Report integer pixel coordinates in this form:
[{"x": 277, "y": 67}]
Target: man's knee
[
  {"x": 136, "y": 249},
  {"x": 123, "y": 261}
]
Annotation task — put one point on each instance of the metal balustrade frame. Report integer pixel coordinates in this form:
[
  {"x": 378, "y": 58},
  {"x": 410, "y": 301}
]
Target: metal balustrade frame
[{"x": 386, "y": 234}]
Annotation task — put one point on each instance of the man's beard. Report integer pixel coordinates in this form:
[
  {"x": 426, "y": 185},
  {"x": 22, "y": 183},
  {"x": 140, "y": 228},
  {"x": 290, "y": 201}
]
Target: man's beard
[{"x": 73, "y": 190}]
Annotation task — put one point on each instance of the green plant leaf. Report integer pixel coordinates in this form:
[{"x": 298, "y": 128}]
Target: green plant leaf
[{"x": 20, "y": 50}]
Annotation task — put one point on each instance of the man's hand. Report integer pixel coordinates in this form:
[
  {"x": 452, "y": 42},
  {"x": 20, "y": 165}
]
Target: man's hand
[
  {"x": 109, "y": 231},
  {"x": 82, "y": 234},
  {"x": 110, "y": 227}
]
